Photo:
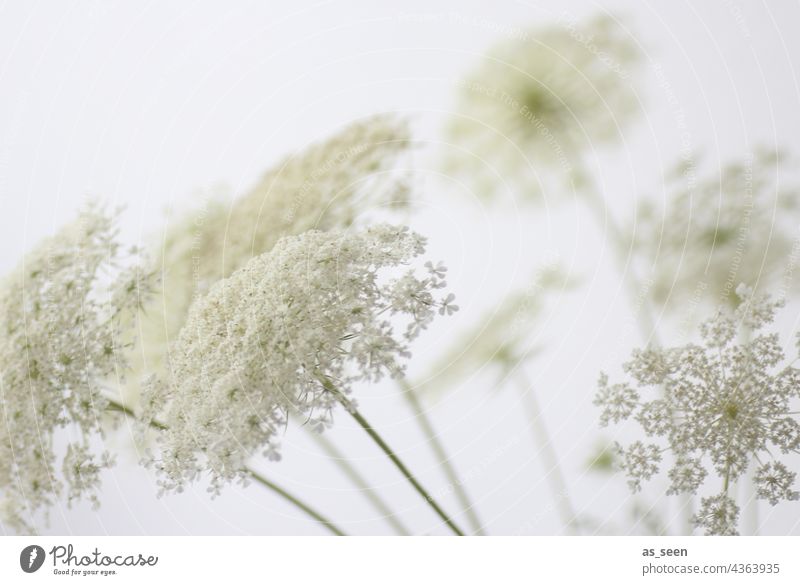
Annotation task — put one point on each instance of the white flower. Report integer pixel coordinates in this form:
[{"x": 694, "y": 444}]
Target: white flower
[
  {"x": 774, "y": 482},
  {"x": 439, "y": 270},
  {"x": 292, "y": 330},
  {"x": 326, "y": 186},
  {"x": 617, "y": 401},
  {"x": 722, "y": 402},
  {"x": 640, "y": 463},
  {"x": 686, "y": 475},
  {"x": 448, "y": 308},
  {"x": 719, "y": 515},
  {"x": 62, "y": 334},
  {"x": 535, "y": 102},
  {"x": 717, "y": 231}
]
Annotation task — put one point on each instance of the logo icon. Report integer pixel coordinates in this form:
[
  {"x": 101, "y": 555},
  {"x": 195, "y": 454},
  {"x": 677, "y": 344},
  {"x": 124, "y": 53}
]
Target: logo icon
[{"x": 31, "y": 558}]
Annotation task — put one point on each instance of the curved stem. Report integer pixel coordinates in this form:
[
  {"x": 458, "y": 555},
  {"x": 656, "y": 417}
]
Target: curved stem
[
  {"x": 391, "y": 454},
  {"x": 355, "y": 476},
  {"x": 442, "y": 458},
  {"x": 257, "y": 477},
  {"x": 554, "y": 475}
]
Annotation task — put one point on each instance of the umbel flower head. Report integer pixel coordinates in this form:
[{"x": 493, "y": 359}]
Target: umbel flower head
[
  {"x": 717, "y": 231},
  {"x": 537, "y": 101},
  {"x": 501, "y": 339},
  {"x": 63, "y": 333},
  {"x": 324, "y": 187},
  {"x": 716, "y": 406},
  {"x": 291, "y": 331}
]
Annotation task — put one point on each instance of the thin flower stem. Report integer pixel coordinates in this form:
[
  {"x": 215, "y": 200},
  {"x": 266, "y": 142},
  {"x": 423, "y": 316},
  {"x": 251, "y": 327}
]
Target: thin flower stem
[
  {"x": 257, "y": 477},
  {"x": 751, "y": 519},
  {"x": 295, "y": 501},
  {"x": 619, "y": 243},
  {"x": 750, "y": 504},
  {"x": 644, "y": 311},
  {"x": 424, "y": 422},
  {"x": 554, "y": 474},
  {"x": 355, "y": 476},
  {"x": 392, "y": 456}
]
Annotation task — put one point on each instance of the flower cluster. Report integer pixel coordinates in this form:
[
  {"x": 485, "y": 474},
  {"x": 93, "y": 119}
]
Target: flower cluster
[
  {"x": 500, "y": 340},
  {"x": 323, "y": 187},
  {"x": 717, "y": 231},
  {"x": 63, "y": 333},
  {"x": 538, "y": 101},
  {"x": 290, "y": 332},
  {"x": 725, "y": 401}
]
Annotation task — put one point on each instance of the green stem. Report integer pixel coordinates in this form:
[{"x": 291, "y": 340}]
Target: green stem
[
  {"x": 687, "y": 505},
  {"x": 618, "y": 241},
  {"x": 440, "y": 453},
  {"x": 257, "y": 477},
  {"x": 295, "y": 501},
  {"x": 554, "y": 474},
  {"x": 355, "y": 476},
  {"x": 391, "y": 454},
  {"x": 644, "y": 313},
  {"x": 750, "y": 505}
]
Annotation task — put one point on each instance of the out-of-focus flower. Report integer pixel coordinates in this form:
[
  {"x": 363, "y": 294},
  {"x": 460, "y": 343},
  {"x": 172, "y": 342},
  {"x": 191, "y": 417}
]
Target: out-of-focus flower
[
  {"x": 721, "y": 402},
  {"x": 499, "y": 341},
  {"x": 536, "y": 102},
  {"x": 603, "y": 458},
  {"x": 63, "y": 333},
  {"x": 718, "y": 231},
  {"x": 326, "y": 186},
  {"x": 291, "y": 331}
]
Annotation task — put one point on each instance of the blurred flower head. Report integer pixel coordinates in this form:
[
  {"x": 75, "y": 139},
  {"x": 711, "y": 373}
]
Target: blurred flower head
[
  {"x": 63, "y": 333},
  {"x": 289, "y": 332},
  {"x": 499, "y": 341},
  {"x": 719, "y": 406},
  {"x": 536, "y": 102},
  {"x": 720, "y": 230}
]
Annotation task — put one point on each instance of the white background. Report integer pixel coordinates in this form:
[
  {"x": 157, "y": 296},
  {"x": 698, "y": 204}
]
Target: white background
[{"x": 148, "y": 103}]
